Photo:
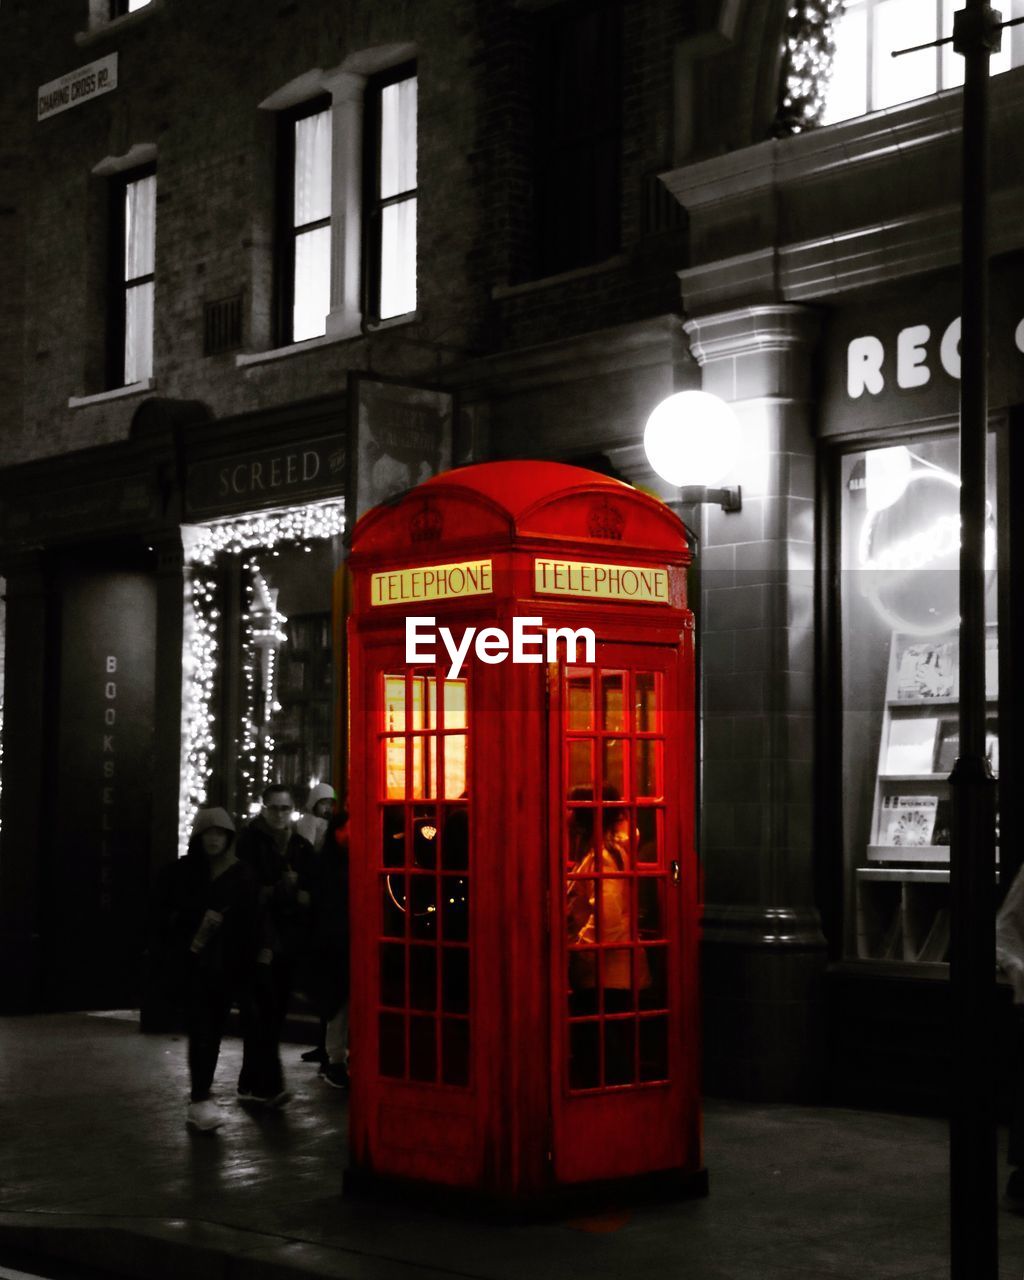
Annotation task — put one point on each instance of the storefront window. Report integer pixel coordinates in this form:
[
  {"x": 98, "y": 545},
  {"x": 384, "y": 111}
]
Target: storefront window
[
  {"x": 258, "y": 666},
  {"x": 900, "y": 542}
]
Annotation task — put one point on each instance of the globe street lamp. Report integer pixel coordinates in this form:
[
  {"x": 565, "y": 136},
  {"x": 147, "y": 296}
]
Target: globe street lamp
[{"x": 692, "y": 440}]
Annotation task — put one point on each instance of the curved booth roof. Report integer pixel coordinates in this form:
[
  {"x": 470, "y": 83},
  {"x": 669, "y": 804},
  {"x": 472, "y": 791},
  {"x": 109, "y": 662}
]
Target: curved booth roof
[{"x": 520, "y": 502}]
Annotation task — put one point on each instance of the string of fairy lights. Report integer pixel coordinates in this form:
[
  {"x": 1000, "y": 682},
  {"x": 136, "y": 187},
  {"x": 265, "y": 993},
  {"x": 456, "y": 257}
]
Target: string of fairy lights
[
  {"x": 250, "y": 536},
  {"x": 808, "y": 50}
]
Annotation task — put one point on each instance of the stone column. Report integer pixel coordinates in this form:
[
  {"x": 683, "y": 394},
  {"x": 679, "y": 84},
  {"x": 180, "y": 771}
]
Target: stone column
[
  {"x": 763, "y": 951},
  {"x": 347, "y": 90}
]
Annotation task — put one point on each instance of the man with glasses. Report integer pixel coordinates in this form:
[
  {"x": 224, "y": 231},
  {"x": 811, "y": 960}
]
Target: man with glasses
[{"x": 282, "y": 863}]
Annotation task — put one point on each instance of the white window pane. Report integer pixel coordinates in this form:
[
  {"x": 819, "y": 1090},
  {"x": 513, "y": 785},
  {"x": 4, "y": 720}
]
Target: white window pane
[
  {"x": 136, "y": 4},
  {"x": 138, "y": 333},
  {"x": 139, "y": 227},
  {"x": 898, "y": 25},
  {"x": 848, "y": 89},
  {"x": 398, "y": 259},
  {"x": 312, "y": 168},
  {"x": 953, "y": 63},
  {"x": 312, "y": 284},
  {"x": 398, "y": 138}
]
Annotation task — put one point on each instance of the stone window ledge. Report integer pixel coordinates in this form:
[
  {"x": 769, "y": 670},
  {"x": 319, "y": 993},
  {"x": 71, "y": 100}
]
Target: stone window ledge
[
  {"x": 247, "y": 359},
  {"x": 101, "y": 27},
  {"x": 117, "y": 393}
]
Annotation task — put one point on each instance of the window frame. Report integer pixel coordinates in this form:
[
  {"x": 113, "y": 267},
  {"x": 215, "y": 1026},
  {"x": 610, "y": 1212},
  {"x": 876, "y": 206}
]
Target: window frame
[
  {"x": 120, "y": 9},
  {"x": 118, "y": 283},
  {"x": 286, "y": 232},
  {"x": 1013, "y": 42},
  {"x": 373, "y": 204},
  {"x": 597, "y": 237}
]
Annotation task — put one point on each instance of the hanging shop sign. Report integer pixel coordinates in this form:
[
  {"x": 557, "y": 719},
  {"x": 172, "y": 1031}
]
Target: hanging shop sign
[
  {"x": 76, "y": 87},
  {"x": 266, "y": 477},
  {"x": 895, "y": 362},
  {"x": 403, "y": 436}
]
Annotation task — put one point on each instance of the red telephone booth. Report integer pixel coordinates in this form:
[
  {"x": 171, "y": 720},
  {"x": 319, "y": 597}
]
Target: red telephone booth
[{"x": 524, "y": 895}]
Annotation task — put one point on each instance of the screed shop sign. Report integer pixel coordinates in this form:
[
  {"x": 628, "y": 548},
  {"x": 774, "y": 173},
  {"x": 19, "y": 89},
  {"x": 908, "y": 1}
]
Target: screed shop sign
[{"x": 76, "y": 87}]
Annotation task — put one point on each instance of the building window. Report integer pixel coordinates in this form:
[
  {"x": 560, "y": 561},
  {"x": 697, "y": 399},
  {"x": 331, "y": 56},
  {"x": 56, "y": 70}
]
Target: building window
[
  {"x": 304, "y": 267},
  {"x": 865, "y": 77},
  {"x": 391, "y": 198},
  {"x": 899, "y": 534},
  {"x": 118, "y": 8},
  {"x": 577, "y": 135},
  {"x": 133, "y": 249}
]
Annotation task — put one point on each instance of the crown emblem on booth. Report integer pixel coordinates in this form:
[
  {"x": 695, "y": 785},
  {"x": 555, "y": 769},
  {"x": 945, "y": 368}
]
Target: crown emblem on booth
[
  {"x": 427, "y": 524},
  {"x": 606, "y": 521}
]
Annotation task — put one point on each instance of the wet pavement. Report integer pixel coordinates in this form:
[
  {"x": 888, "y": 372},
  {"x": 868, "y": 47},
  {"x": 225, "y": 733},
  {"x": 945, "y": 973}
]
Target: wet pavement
[{"x": 97, "y": 1168}]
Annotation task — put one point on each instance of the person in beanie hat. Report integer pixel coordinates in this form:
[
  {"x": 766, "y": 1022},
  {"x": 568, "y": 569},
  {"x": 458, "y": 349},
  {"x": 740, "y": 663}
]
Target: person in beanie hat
[{"x": 208, "y": 914}]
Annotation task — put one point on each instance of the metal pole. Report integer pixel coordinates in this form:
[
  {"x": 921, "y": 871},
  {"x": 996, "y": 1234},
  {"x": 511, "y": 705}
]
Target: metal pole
[{"x": 974, "y": 1240}]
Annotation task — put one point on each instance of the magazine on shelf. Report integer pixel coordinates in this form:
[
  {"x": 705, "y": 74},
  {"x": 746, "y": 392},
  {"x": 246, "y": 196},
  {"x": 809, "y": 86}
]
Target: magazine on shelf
[
  {"x": 927, "y": 669},
  {"x": 911, "y": 746},
  {"x": 908, "y": 821}
]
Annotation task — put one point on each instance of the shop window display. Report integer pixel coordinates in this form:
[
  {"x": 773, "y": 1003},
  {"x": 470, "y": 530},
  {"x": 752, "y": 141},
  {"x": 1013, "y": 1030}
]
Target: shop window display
[
  {"x": 258, "y": 672},
  {"x": 900, "y": 542}
]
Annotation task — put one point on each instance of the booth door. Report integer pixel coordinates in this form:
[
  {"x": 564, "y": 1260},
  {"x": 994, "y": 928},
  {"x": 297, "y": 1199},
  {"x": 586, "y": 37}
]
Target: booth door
[{"x": 620, "y": 1083}]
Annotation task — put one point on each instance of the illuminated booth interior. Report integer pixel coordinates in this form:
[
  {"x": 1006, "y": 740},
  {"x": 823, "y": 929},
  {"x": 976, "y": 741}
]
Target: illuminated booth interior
[{"x": 524, "y": 879}]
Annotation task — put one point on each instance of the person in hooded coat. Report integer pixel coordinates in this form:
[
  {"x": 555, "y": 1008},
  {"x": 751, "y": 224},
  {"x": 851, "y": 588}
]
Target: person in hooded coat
[{"x": 207, "y": 914}]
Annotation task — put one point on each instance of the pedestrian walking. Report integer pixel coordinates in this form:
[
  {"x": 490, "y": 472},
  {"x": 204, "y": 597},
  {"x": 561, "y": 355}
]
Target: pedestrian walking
[
  {"x": 207, "y": 913},
  {"x": 282, "y": 863}
]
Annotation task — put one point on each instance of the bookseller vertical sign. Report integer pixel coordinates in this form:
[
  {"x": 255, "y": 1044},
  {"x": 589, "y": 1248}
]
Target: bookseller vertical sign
[{"x": 101, "y": 810}]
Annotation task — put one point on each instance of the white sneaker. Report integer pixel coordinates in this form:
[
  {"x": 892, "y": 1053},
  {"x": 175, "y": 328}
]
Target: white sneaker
[{"x": 203, "y": 1116}]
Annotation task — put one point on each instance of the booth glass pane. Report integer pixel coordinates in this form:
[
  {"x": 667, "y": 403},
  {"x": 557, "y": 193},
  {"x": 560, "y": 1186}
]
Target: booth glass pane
[
  {"x": 454, "y": 765},
  {"x": 585, "y": 1055},
  {"x": 423, "y": 978},
  {"x": 455, "y": 839},
  {"x": 423, "y": 904},
  {"x": 392, "y": 849},
  {"x": 392, "y": 976},
  {"x": 580, "y": 699},
  {"x": 581, "y": 764},
  {"x": 455, "y": 704},
  {"x": 653, "y": 1049},
  {"x": 455, "y": 908},
  {"x": 648, "y": 838},
  {"x": 615, "y": 765},
  {"x": 617, "y": 979},
  {"x": 391, "y": 1036},
  {"x": 394, "y": 704},
  {"x": 424, "y": 766},
  {"x": 455, "y": 980},
  {"x": 645, "y": 702},
  {"x": 650, "y": 891},
  {"x": 422, "y": 1049},
  {"x": 394, "y": 765},
  {"x": 655, "y": 996},
  {"x": 648, "y": 768},
  {"x": 424, "y": 838},
  {"x": 620, "y": 1051},
  {"x": 392, "y": 905},
  {"x": 455, "y": 1051},
  {"x": 613, "y": 702},
  {"x": 424, "y": 702}
]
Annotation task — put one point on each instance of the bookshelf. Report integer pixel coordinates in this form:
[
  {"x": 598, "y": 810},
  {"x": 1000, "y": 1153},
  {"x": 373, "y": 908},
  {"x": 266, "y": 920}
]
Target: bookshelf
[{"x": 902, "y": 887}]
